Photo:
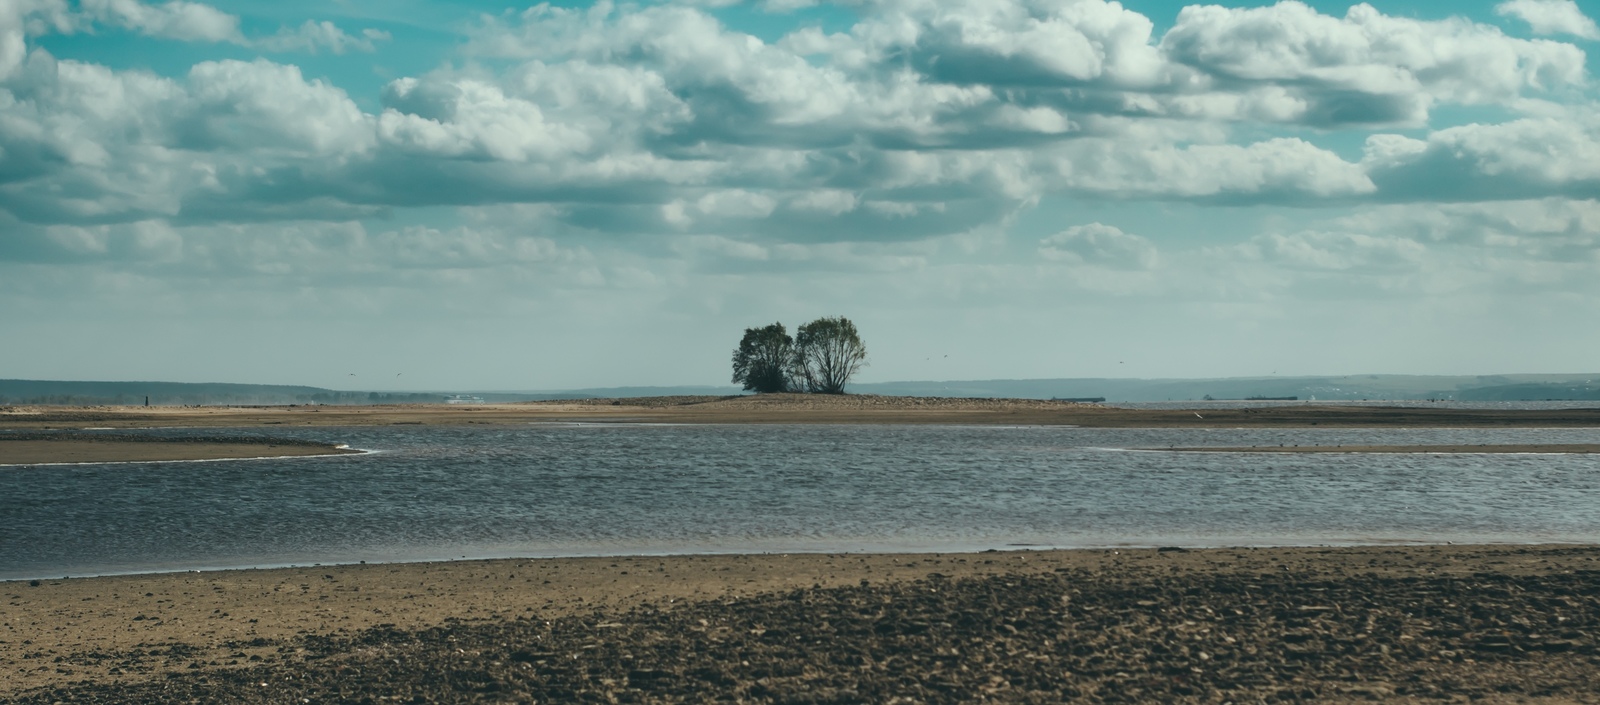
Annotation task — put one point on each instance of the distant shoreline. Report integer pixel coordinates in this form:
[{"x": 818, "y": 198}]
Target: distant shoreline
[{"x": 797, "y": 409}]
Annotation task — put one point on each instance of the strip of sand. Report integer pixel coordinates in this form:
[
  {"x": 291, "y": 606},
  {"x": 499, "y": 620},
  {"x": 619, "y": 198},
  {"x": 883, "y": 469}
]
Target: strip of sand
[
  {"x": 95, "y": 451},
  {"x": 1519, "y": 623},
  {"x": 798, "y": 409}
]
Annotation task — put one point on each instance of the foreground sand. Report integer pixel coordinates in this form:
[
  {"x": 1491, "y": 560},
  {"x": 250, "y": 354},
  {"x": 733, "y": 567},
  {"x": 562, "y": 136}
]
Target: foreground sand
[{"x": 1495, "y": 623}]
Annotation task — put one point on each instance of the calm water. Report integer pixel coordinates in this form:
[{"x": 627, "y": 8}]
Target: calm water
[{"x": 544, "y": 490}]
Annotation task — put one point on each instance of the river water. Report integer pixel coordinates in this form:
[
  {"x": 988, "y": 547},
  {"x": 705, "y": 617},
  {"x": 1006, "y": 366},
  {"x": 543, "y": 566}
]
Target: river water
[{"x": 548, "y": 490}]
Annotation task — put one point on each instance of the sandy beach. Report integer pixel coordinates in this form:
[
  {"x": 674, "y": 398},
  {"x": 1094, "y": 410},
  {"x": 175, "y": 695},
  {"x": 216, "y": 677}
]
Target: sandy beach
[{"x": 1491, "y": 623}]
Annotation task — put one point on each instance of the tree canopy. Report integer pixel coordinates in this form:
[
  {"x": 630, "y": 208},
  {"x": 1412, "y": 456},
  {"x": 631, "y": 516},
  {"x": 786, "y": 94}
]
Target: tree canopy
[
  {"x": 827, "y": 353},
  {"x": 763, "y": 359},
  {"x": 822, "y": 358}
]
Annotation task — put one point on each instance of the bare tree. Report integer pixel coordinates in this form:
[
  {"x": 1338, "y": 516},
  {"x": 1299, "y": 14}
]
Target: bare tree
[{"x": 827, "y": 352}]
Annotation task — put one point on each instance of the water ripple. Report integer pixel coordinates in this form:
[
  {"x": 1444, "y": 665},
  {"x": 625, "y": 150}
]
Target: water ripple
[{"x": 435, "y": 493}]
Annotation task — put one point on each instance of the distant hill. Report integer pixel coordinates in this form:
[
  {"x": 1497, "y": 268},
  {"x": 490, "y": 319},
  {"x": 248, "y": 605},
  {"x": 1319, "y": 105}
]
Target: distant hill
[
  {"x": 1346, "y": 387},
  {"x": 19, "y": 391},
  {"x": 618, "y": 393},
  {"x": 1532, "y": 392}
]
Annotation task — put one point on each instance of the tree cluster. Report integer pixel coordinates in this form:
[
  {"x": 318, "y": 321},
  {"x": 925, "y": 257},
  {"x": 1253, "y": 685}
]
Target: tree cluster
[{"x": 820, "y": 358}]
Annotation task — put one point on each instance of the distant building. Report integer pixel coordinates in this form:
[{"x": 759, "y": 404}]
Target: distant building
[{"x": 463, "y": 399}]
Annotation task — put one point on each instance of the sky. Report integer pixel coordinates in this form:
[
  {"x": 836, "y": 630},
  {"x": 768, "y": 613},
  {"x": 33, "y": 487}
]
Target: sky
[{"x": 471, "y": 195}]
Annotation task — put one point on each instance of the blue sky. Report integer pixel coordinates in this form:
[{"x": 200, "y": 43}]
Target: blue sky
[{"x": 417, "y": 194}]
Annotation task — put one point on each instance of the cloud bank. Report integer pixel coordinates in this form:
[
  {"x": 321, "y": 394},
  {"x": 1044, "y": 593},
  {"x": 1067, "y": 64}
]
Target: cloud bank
[{"x": 949, "y": 151}]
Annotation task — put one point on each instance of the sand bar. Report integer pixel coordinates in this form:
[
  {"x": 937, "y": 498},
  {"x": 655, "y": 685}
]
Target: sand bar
[
  {"x": 760, "y": 409},
  {"x": 743, "y": 410},
  {"x": 1494, "y": 623},
  {"x": 49, "y": 448},
  {"x": 797, "y": 408}
]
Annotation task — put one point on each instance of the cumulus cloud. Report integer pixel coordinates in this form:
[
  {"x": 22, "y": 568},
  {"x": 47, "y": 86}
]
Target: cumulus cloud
[
  {"x": 178, "y": 19},
  {"x": 86, "y": 143},
  {"x": 922, "y": 120},
  {"x": 263, "y": 105},
  {"x": 1099, "y": 244},
  {"x": 181, "y": 20},
  {"x": 1525, "y": 158},
  {"x": 1366, "y": 67},
  {"x": 1551, "y": 17},
  {"x": 1281, "y": 169},
  {"x": 20, "y": 19},
  {"x": 473, "y": 120},
  {"x": 1025, "y": 43}
]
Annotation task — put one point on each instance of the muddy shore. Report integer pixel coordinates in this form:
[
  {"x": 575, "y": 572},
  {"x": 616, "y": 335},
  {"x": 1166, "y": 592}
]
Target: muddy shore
[
  {"x": 30, "y": 448},
  {"x": 1490, "y": 623}
]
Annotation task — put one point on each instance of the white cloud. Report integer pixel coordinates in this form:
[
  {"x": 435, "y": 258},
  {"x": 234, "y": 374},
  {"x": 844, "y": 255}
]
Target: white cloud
[
  {"x": 21, "y": 18},
  {"x": 1282, "y": 169},
  {"x": 1337, "y": 251},
  {"x": 1099, "y": 244},
  {"x": 186, "y": 21},
  {"x": 263, "y": 105},
  {"x": 1551, "y": 17},
  {"x": 1362, "y": 67},
  {"x": 1025, "y": 42},
  {"x": 473, "y": 120},
  {"x": 314, "y": 37},
  {"x": 658, "y": 120},
  {"x": 1526, "y": 158}
]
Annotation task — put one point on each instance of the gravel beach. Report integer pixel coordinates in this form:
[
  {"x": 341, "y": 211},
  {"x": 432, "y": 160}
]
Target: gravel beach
[{"x": 1417, "y": 623}]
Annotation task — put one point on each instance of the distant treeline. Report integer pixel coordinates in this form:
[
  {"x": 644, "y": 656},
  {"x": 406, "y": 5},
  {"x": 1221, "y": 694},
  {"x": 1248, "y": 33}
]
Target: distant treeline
[
  {"x": 1353, "y": 387},
  {"x": 1345, "y": 388},
  {"x": 1531, "y": 392},
  {"x": 14, "y": 391}
]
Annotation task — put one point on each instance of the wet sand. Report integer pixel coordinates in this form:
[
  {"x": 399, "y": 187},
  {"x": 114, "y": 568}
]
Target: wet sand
[
  {"x": 45, "y": 448},
  {"x": 1491, "y": 623},
  {"x": 760, "y": 409}
]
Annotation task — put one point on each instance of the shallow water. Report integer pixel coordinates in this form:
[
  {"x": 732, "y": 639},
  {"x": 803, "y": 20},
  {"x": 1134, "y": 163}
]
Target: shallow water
[{"x": 544, "y": 490}]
